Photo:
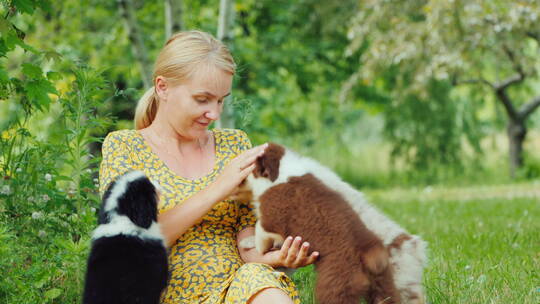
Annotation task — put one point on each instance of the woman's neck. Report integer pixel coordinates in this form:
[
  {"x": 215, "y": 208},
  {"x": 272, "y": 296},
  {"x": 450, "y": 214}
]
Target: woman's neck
[{"x": 166, "y": 137}]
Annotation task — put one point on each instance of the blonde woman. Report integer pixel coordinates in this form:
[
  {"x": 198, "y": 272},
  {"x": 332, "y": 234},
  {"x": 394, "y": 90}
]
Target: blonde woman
[{"x": 198, "y": 169}]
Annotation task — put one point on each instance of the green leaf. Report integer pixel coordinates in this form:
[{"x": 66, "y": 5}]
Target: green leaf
[
  {"x": 54, "y": 76},
  {"x": 5, "y": 25},
  {"x": 52, "y": 55},
  {"x": 37, "y": 91},
  {"x": 53, "y": 293},
  {"x": 24, "y": 6},
  {"x": 11, "y": 40},
  {"x": 4, "y": 77},
  {"x": 32, "y": 71}
]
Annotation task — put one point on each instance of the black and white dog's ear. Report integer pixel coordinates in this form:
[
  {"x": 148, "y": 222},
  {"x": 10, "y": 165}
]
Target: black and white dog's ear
[{"x": 139, "y": 202}]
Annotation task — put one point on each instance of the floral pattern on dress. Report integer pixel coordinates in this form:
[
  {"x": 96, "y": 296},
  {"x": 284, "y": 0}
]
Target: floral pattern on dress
[{"x": 204, "y": 263}]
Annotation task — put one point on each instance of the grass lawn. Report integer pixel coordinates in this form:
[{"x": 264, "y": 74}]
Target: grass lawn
[{"x": 481, "y": 250}]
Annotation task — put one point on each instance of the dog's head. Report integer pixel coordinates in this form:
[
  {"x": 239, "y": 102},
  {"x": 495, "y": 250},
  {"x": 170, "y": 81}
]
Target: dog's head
[
  {"x": 132, "y": 195},
  {"x": 265, "y": 173},
  {"x": 267, "y": 165}
]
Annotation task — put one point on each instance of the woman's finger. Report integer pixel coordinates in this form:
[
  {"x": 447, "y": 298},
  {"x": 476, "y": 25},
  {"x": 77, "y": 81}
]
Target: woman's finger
[
  {"x": 302, "y": 255},
  {"x": 293, "y": 251},
  {"x": 248, "y": 157},
  {"x": 246, "y": 171},
  {"x": 312, "y": 258},
  {"x": 285, "y": 247}
]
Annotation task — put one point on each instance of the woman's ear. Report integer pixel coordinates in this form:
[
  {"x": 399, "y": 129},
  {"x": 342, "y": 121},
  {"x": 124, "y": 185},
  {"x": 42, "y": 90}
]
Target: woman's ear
[{"x": 161, "y": 86}]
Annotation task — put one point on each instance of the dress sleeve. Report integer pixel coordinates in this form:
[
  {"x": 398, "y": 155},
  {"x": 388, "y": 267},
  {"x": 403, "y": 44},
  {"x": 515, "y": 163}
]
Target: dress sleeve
[
  {"x": 116, "y": 159},
  {"x": 246, "y": 216}
]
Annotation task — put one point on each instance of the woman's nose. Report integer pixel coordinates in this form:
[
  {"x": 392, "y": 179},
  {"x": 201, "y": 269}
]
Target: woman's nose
[{"x": 212, "y": 114}]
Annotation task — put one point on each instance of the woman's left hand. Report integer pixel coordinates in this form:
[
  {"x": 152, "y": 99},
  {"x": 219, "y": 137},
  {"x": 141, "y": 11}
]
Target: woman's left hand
[{"x": 293, "y": 254}]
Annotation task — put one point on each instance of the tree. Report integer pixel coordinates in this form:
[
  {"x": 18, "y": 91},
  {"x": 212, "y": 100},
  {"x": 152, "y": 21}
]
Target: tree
[
  {"x": 173, "y": 17},
  {"x": 136, "y": 38},
  {"x": 493, "y": 44},
  {"x": 225, "y": 26}
]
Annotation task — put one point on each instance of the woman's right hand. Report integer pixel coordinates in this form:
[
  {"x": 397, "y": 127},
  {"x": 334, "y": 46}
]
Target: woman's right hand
[{"x": 235, "y": 172}]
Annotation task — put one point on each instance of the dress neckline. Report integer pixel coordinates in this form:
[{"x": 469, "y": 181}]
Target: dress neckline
[{"x": 217, "y": 158}]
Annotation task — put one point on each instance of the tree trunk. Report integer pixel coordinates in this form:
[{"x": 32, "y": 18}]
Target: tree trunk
[
  {"x": 226, "y": 19},
  {"x": 136, "y": 40},
  {"x": 173, "y": 17},
  {"x": 516, "y": 135}
]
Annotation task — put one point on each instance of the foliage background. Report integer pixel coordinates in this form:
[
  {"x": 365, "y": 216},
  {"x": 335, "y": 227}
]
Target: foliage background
[{"x": 306, "y": 79}]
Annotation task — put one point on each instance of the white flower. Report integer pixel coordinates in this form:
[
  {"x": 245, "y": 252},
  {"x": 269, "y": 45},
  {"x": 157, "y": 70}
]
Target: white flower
[
  {"x": 96, "y": 180},
  {"x": 88, "y": 170},
  {"x": 6, "y": 189},
  {"x": 19, "y": 170},
  {"x": 37, "y": 215},
  {"x": 45, "y": 198},
  {"x": 42, "y": 234},
  {"x": 93, "y": 209},
  {"x": 481, "y": 278},
  {"x": 31, "y": 199},
  {"x": 48, "y": 177},
  {"x": 467, "y": 267}
]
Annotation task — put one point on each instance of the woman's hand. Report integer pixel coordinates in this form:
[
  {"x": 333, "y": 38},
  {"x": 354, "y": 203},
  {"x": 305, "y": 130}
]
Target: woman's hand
[
  {"x": 293, "y": 254},
  {"x": 235, "y": 172}
]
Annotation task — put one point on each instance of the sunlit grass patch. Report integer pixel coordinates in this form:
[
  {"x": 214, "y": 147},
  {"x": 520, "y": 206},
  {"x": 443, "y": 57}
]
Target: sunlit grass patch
[{"x": 483, "y": 251}]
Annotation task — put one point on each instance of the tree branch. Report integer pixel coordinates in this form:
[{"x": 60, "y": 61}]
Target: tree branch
[
  {"x": 512, "y": 56},
  {"x": 136, "y": 39},
  {"x": 503, "y": 84},
  {"x": 528, "y": 108},
  {"x": 500, "y": 91},
  {"x": 457, "y": 82}
]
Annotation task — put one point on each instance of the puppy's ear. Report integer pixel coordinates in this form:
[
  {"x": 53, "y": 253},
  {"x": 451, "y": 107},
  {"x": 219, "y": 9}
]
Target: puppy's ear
[{"x": 267, "y": 165}]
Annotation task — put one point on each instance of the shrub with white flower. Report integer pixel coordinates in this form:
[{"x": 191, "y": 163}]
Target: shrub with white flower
[
  {"x": 45, "y": 198},
  {"x": 37, "y": 215},
  {"x": 6, "y": 190},
  {"x": 48, "y": 177}
]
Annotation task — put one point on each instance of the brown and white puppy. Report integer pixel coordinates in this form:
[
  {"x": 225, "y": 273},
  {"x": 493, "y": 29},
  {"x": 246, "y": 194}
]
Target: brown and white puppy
[
  {"x": 353, "y": 262},
  {"x": 302, "y": 184}
]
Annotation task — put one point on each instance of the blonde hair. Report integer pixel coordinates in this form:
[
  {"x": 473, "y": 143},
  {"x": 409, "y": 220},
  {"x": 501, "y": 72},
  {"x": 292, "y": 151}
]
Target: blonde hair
[{"x": 183, "y": 54}]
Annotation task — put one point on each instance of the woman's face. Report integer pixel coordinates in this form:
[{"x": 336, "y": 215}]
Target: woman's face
[{"x": 191, "y": 106}]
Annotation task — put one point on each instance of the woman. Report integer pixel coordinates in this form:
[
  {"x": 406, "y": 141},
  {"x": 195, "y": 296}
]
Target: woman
[{"x": 198, "y": 169}]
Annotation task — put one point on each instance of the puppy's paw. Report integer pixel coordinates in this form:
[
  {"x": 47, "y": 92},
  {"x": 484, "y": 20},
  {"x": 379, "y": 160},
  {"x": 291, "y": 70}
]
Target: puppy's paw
[{"x": 248, "y": 242}]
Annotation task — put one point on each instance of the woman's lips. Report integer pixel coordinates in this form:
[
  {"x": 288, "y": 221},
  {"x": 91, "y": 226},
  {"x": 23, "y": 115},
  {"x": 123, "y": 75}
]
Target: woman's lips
[{"x": 203, "y": 123}]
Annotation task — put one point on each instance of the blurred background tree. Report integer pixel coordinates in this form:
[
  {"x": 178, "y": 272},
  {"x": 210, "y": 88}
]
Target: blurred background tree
[{"x": 493, "y": 44}]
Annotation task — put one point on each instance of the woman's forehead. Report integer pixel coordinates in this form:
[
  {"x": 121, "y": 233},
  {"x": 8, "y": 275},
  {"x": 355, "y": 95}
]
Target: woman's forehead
[{"x": 211, "y": 81}]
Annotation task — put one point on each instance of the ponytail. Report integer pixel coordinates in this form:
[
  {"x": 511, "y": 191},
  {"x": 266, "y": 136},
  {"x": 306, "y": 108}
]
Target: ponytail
[{"x": 146, "y": 109}]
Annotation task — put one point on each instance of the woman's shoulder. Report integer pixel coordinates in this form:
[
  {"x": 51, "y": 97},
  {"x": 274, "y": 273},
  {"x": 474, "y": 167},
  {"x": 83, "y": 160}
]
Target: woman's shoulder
[
  {"x": 121, "y": 135},
  {"x": 120, "y": 138}
]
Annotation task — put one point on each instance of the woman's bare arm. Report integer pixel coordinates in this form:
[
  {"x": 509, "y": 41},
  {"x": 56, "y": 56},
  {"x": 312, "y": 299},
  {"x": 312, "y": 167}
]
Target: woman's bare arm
[{"x": 177, "y": 220}]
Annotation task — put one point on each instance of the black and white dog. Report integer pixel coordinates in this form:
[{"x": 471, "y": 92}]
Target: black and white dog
[{"x": 128, "y": 259}]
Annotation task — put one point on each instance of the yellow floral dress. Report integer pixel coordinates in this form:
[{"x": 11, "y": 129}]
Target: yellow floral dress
[{"x": 204, "y": 263}]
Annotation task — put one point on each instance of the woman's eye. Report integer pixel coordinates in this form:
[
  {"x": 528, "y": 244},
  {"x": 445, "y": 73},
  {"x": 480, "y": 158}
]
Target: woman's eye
[{"x": 201, "y": 100}]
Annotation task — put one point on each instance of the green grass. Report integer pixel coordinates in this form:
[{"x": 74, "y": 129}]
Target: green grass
[{"x": 480, "y": 250}]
